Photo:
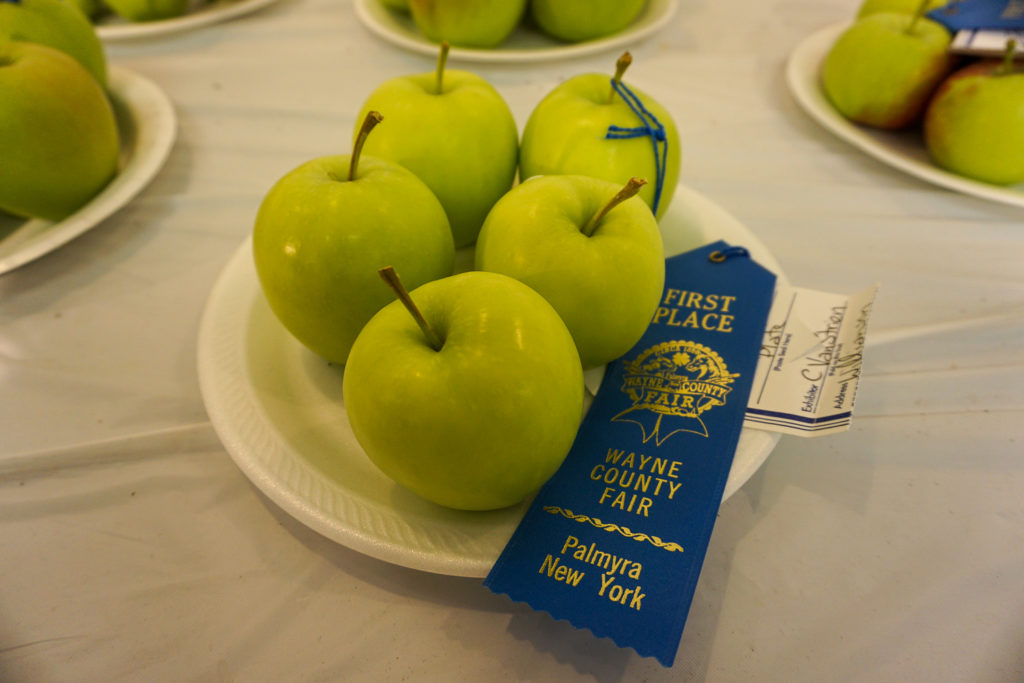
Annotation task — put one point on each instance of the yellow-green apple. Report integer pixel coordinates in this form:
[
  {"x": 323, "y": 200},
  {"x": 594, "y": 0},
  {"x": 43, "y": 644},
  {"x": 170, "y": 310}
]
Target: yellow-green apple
[
  {"x": 58, "y": 25},
  {"x": 881, "y": 70},
  {"x": 476, "y": 404},
  {"x": 397, "y": 5},
  {"x": 467, "y": 23},
  {"x": 59, "y": 141},
  {"x": 974, "y": 124},
  {"x": 572, "y": 131},
  {"x": 587, "y": 246},
  {"x": 324, "y": 229},
  {"x": 147, "y": 10},
  {"x": 453, "y": 130},
  {"x": 575, "y": 21},
  {"x": 869, "y": 7}
]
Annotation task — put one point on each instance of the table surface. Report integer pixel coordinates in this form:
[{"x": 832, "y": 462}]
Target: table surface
[{"x": 135, "y": 549}]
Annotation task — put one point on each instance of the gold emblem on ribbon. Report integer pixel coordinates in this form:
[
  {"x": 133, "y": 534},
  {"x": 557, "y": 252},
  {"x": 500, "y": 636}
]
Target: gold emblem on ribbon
[{"x": 671, "y": 385}]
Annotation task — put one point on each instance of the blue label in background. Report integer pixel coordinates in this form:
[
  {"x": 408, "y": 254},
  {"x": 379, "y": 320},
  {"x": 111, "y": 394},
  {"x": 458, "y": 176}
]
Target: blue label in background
[
  {"x": 980, "y": 14},
  {"x": 614, "y": 542}
]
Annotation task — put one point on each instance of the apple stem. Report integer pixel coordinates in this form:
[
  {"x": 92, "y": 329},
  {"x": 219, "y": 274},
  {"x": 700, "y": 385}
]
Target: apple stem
[
  {"x": 621, "y": 65},
  {"x": 1007, "y": 66},
  {"x": 371, "y": 120},
  {"x": 389, "y": 276},
  {"x": 917, "y": 15},
  {"x": 630, "y": 190},
  {"x": 442, "y": 59}
]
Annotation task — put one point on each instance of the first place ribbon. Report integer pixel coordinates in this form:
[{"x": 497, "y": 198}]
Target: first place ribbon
[
  {"x": 1006, "y": 15},
  {"x": 615, "y": 541}
]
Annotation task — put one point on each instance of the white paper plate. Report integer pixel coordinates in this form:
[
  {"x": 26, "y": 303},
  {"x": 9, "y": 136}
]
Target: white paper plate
[
  {"x": 903, "y": 150},
  {"x": 148, "y": 126},
  {"x": 113, "y": 28},
  {"x": 526, "y": 44},
  {"x": 278, "y": 410}
]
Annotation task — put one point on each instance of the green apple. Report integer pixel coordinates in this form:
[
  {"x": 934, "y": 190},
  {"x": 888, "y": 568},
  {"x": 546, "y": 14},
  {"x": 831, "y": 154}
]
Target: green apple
[
  {"x": 567, "y": 134},
  {"x": 869, "y": 7},
  {"x": 575, "y": 21},
  {"x": 467, "y": 23},
  {"x": 453, "y": 130},
  {"x": 593, "y": 251},
  {"x": 881, "y": 71},
  {"x": 59, "y": 142},
  {"x": 480, "y": 413},
  {"x": 58, "y": 25},
  {"x": 147, "y": 10},
  {"x": 397, "y": 5},
  {"x": 974, "y": 124},
  {"x": 325, "y": 228}
]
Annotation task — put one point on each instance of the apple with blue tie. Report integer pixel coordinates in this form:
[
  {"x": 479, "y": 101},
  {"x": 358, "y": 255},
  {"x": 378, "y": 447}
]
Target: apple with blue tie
[{"x": 600, "y": 126}]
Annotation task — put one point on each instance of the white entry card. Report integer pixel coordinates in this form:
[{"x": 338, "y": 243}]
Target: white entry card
[
  {"x": 810, "y": 362},
  {"x": 986, "y": 43}
]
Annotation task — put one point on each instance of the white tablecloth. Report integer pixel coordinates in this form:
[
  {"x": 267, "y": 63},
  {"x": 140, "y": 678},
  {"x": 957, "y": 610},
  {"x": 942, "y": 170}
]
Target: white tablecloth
[{"x": 133, "y": 548}]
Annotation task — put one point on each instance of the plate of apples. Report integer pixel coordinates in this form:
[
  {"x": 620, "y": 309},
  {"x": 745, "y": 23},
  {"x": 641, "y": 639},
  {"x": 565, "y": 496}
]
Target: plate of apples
[
  {"x": 400, "y": 353},
  {"x": 514, "y": 30},
  {"x": 131, "y": 19},
  {"x": 889, "y": 84},
  {"x": 110, "y": 128}
]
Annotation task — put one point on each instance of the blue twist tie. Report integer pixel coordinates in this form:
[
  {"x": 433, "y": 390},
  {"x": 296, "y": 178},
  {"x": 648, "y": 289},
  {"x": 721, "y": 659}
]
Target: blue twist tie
[
  {"x": 651, "y": 128},
  {"x": 720, "y": 255}
]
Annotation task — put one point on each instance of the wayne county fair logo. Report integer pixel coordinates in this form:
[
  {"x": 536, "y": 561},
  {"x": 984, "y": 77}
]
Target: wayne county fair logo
[{"x": 671, "y": 386}]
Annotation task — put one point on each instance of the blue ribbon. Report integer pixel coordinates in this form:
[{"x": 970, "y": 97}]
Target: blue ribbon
[
  {"x": 651, "y": 128},
  {"x": 615, "y": 545},
  {"x": 980, "y": 15}
]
